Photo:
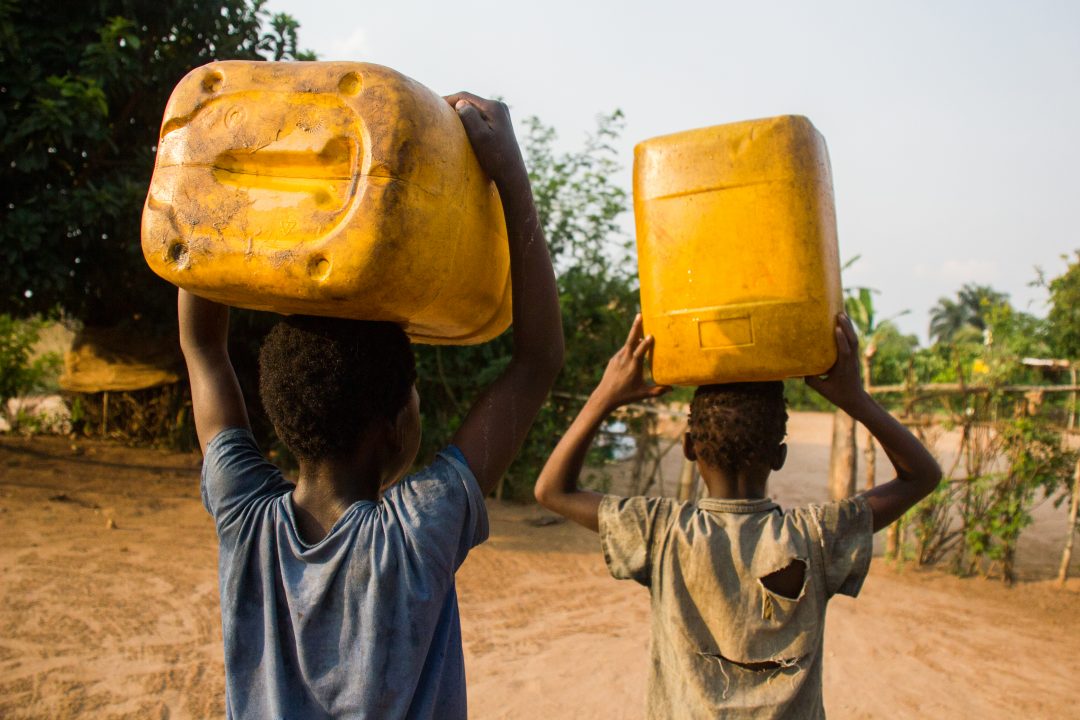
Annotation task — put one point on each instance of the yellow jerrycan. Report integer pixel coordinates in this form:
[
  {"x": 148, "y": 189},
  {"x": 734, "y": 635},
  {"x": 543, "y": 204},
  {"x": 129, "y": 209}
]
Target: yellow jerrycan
[
  {"x": 327, "y": 188},
  {"x": 737, "y": 254}
]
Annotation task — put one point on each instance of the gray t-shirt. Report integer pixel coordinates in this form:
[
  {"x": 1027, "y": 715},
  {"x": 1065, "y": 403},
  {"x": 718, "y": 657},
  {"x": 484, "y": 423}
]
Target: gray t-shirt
[
  {"x": 724, "y": 644},
  {"x": 362, "y": 624}
]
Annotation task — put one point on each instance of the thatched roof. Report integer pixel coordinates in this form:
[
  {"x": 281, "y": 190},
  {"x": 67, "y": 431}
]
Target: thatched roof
[{"x": 120, "y": 359}]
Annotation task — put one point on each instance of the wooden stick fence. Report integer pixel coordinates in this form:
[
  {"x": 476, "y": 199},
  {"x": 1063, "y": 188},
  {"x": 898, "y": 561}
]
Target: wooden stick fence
[{"x": 688, "y": 487}]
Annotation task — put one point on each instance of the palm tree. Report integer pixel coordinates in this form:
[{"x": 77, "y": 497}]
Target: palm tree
[
  {"x": 979, "y": 300},
  {"x": 946, "y": 319},
  {"x": 973, "y": 303}
]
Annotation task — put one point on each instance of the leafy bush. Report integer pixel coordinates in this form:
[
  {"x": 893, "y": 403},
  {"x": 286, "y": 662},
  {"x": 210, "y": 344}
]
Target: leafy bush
[
  {"x": 1001, "y": 469},
  {"x": 1035, "y": 462},
  {"x": 20, "y": 372}
]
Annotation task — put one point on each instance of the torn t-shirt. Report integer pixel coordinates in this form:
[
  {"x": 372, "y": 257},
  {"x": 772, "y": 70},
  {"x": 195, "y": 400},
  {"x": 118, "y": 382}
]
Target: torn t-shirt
[
  {"x": 722, "y": 643},
  {"x": 363, "y": 623}
]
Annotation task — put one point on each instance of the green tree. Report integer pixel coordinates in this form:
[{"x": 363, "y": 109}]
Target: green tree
[
  {"x": 965, "y": 318},
  {"x": 1063, "y": 320},
  {"x": 885, "y": 349},
  {"x": 893, "y": 353},
  {"x": 579, "y": 206},
  {"x": 947, "y": 317},
  {"x": 82, "y": 93},
  {"x": 20, "y": 371}
]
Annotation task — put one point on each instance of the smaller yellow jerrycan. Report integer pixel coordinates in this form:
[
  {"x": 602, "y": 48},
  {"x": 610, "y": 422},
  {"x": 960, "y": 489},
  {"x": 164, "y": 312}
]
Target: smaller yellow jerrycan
[
  {"x": 327, "y": 188},
  {"x": 736, "y": 237}
]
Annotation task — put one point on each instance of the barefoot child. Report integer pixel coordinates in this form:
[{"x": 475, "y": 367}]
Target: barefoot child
[
  {"x": 738, "y": 586},
  {"x": 337, "y": 593}
]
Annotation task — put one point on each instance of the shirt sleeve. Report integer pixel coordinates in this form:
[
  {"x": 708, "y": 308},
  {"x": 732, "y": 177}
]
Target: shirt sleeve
[
  {"x": 631, "y": 531},
  {"x": 441, "y": 510},
  {"x": 235, "y": 473},
  {"x": 846, "y": 530}
]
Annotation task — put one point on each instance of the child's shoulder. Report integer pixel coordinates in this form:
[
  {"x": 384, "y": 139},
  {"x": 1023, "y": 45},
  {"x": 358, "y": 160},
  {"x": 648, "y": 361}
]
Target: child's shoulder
[
  {"x": 644, "y": 507},
  {"x": 851, "y": 514}
]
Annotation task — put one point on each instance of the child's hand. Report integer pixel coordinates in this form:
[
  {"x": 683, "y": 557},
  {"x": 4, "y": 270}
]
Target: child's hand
[
  {"x": 624, "y": 379},
  {"x": 487, "y": 123},
  {"x": 842, "y": 385}
]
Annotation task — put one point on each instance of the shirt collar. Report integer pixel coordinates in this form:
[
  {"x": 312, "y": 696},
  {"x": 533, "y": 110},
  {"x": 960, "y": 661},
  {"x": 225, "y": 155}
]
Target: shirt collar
[{"x": 743, "y": 507}]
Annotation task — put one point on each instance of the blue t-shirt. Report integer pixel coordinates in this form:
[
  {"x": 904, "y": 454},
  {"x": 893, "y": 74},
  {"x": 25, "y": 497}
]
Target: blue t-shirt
[{"x": 362, "y": 624}]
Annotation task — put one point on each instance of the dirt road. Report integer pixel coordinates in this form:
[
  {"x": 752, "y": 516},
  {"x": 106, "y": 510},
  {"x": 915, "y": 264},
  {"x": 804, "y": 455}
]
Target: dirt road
[{"x": 109, "y": 607}]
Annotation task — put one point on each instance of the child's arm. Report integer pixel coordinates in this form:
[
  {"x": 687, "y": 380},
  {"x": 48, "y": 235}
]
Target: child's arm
[
  {"x": 623, "y": 382},
  {"x": 917, "y": 473},
  {"x": 492, "y": 433},
  {"x": 216, "y": 400}
]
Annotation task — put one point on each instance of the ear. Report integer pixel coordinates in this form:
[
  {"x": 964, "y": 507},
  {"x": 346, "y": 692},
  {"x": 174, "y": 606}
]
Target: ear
[
  {"x": 688, "y": 447},
  {"x": 780, "y": 457}
]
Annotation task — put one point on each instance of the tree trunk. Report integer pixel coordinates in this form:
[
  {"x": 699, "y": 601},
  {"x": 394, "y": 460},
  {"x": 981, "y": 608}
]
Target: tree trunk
[
  {"x": 1074, "y": 506},
  {"x": 892, "y": 539},
  {"x": 870, "y": 451},
  {"x": 842, "y": 457},
  {"x": 1073, "y": 404}
]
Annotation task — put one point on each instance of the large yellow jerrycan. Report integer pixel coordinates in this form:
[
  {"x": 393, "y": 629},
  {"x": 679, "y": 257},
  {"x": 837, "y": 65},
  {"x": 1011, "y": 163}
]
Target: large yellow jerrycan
[
  {"x": 328, "y": 188},
  {"x": 736, "y": 237}
]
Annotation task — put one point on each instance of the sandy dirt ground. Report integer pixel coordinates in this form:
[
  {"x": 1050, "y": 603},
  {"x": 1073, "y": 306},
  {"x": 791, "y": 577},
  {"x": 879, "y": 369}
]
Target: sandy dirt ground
[{"x": 109, "y": 606}]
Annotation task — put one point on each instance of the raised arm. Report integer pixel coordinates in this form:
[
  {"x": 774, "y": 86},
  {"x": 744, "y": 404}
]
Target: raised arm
[
  {"x": 494, "y": 430},
  {"x": 216, "y": 400},
  {"x": 623, "y": 382},
  {"x": 917, "y": 473}
]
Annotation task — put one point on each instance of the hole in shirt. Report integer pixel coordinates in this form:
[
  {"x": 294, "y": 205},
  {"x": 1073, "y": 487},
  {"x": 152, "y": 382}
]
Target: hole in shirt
[
  {"x": 756, "y": 666},
  {"x": 787, "y": 582}
]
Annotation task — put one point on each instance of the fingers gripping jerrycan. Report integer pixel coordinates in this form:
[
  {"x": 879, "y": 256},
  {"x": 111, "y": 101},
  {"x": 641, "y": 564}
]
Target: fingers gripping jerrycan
[
  {"x": 737, "y": 252},
  {"x": 327, "y": 188}
]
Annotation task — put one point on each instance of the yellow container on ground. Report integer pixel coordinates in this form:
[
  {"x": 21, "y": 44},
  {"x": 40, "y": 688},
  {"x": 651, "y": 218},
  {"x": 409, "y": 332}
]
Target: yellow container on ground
[
  {"x": 737, "y": 254},
  {"x": 327, "y": 188}
]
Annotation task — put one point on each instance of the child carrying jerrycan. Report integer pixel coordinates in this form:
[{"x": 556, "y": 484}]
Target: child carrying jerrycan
[{"x": 348, "y": 190}]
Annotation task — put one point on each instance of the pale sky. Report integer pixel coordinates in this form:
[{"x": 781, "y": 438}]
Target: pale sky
[{"x": 952, "y": 126}]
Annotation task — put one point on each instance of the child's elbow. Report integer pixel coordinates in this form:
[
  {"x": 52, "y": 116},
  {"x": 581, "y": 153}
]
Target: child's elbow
[
  {"x": 543, "y": 495},
  {"x": 932, "y": 476},
  {"x": 539, "y": 494},
  {"x": 544, "y": 361}
]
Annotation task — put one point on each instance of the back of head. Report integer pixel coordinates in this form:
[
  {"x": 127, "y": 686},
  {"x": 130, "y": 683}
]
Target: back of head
[
  {"x": 735, "y": 425},
  {"x": 324, "y": 381}
]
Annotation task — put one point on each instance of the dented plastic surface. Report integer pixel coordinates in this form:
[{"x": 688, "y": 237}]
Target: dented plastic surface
[
  {"x": 737, "y": 252},
  {"x": 327, "y": 188}
]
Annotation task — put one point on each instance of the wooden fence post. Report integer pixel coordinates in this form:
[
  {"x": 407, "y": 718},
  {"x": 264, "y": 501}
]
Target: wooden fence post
[
  {"x": 1072, "y": 405},
  {"x": 1066, "y": 554},
  {"x": 105, "y": 414},
  {"x": 842, "y": 457},
  {"x": 870, "y": 451}
]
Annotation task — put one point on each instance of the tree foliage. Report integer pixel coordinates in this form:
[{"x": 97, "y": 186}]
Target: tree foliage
[
  {"x": 965, "y": 317},
  {"x": 888, "y": 349},
  {"x": 82, "y": 93},
  {"x": 22, "y": 372},
  {"x": 579, "y": 206},
  {"x": 1064, "y": 317}
]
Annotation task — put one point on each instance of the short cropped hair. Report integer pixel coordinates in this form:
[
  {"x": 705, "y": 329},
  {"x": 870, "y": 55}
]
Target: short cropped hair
[
  {"x": 324, "y": 381},
  {"x": 737, "y": 424}
]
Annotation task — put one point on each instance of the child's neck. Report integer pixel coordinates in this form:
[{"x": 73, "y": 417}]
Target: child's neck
[
  {"x": 744, "y": 484},
  {"x": 326, "y": 488}
]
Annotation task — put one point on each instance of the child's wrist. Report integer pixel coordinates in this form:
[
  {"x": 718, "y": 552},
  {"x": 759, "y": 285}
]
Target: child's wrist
[
  {"x": 601, "y": 403},
  {"x": 513, "y": 183}
]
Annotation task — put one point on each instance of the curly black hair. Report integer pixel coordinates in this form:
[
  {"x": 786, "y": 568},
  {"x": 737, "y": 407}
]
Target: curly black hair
[
  {"x": 736, "y": 424},
  {"x": 323, "y": 381}
]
